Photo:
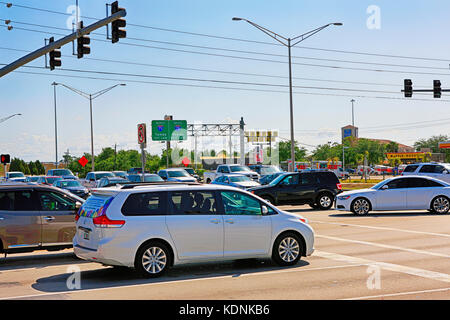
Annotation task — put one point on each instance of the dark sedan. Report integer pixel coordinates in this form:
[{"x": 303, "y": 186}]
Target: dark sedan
[{"x": 73, "y": 186}]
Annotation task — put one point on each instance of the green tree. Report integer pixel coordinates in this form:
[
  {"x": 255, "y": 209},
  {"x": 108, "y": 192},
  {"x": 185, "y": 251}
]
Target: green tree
[
  {"x": 284, "y": 151},
  {"x": 433, "y": 144}
]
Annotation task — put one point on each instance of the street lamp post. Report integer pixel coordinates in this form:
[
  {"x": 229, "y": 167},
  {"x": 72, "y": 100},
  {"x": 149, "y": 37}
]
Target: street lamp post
[
  {"x": 343, "y": 158},
  {"x": 90, "y": 97},
  {"x": 353, "y": 113},
  {"x": 288, "y": 43}
]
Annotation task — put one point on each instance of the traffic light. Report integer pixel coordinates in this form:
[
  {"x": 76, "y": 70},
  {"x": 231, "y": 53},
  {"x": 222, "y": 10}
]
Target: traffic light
[
  {"x": 408, "y": 88},
  {"x": 82, "y": 43},
  {"x": 116, "y": 32},
  {"x": 5, "y": 158},
  {"x": 437, "y": 88},
  {"x": 54, "y": 55}
]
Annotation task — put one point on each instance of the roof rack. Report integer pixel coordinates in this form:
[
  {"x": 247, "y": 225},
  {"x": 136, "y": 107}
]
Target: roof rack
[{"x": 137, "y": 184}]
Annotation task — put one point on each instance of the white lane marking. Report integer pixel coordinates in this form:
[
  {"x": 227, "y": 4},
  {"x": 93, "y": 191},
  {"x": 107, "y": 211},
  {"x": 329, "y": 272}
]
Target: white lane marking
[
  {"x": 398, "y": 294},
  {"x": 350, "y": 265},
  {"x": 384, "y": 228},
  {"x": 387, "y": 266},
  {"x": 374, "y": 244}
]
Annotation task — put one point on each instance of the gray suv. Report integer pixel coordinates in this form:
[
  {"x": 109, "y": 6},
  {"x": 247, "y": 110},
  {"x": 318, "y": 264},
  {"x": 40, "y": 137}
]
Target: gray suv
[{"x": 34, "y": 217}]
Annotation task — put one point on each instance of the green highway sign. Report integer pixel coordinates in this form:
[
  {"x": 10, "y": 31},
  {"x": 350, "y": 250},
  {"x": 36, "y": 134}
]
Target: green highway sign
[{"x": 166, "y": 130}]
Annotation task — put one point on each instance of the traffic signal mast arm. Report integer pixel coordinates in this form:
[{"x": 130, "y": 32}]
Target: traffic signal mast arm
[
  {"x": 408, "y": 89},
  {"x": 59, "y": 43}
]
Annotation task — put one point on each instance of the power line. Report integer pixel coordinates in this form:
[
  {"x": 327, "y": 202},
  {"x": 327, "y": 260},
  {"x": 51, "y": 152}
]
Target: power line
[
  {"x": 244, "y": 40},
  {"x": 226, "y": 88},
  {"x": 250, "y": 58},
  {"x": 109, "y": 73},
  {"x": 250, "y": 52},
  {"x": 215, "y": 71}
]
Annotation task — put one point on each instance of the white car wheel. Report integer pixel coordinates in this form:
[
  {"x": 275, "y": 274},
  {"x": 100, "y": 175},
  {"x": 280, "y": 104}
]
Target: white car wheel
[
  {"x": 441, "y": 205},
  {"x": 360, "y": 206}
]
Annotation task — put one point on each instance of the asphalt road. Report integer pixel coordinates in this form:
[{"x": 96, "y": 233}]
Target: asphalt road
[{"x": 387, "y": 255}]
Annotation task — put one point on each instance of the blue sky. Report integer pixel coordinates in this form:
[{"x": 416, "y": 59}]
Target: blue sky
[{"x": 408, "y": 28}]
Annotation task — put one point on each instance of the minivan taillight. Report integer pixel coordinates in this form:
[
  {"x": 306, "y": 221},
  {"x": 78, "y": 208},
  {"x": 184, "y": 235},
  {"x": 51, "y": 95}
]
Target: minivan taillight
[
  {"x": 104, "y": 222},
  {"x": 339, "y": 186},
  {"x": 77, "y": 216}
]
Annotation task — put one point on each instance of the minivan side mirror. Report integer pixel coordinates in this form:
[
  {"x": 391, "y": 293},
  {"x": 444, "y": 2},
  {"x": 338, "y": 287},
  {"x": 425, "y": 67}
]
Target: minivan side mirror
[{"x": 385, "y": 187}]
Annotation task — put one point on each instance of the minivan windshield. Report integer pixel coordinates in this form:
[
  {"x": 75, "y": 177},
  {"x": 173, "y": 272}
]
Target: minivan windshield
[{"x": 239, "y": 168}]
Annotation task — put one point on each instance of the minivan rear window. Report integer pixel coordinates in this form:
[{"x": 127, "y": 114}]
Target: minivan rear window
[
  {"x": 95, "y": 206},
  {"x": 145, "y": 204}
]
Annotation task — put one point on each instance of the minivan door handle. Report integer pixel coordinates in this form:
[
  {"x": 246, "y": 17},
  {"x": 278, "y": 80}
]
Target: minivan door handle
[
  {"x": 230, "y": 221},
  {"x": 215, "y": 221},
  {"x": 49, "y": 218}
]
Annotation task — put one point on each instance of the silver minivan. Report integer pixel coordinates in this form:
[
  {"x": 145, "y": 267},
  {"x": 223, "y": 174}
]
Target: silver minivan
[
  {"x": 34, "y": 217},
  {"x": 152, "y": 227}
]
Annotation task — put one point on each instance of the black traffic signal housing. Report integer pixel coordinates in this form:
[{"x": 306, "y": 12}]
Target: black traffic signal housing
[
  {"x": 5, "y": 158},
  {"x": 116, "y": 32},
  {"x": 82, "y": 44},
  {"x": 54, "y": 56},
  {"x": 437, "y": 88},
  {"x": 408, "y": 88}
]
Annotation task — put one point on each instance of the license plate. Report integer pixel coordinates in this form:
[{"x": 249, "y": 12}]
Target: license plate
[{"x": 85, "y": 235}]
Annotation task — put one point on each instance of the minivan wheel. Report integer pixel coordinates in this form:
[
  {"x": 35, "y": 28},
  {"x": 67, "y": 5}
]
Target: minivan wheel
[
  {"x": 287, "y": 249},
  {"x": 360, "y": 206},
  {"x": 152, "y": 260},
  {"x": 325, "y": 201},
  {"x": 440, "y": 205}
]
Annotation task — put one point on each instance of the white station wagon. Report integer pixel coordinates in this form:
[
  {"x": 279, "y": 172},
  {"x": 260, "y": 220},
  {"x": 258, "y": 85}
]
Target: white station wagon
[{"x": 152, "y": 227}]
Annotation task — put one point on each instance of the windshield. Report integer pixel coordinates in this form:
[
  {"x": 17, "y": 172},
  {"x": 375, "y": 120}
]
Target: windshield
[
  {"x": 190, "y": 170},
  {"x": 53, "y": 180},
  {"x": 379, "y": 184},
  {"x": 16, "y": 175},
  {"x": 62, "y": 172},
  {"x": 240, "y": 179},
  {"x": 269, "y": 170},
  {"x": 277, "y": 179},
  {"x": 177, "y": 173},
  {"x": 71, "y": 183},
  {"x": 152, "y": 178},
  {"x": 120, "y": 174},
  {"x": 239, "y": 168},
  {"x": 105, "y": 174}
]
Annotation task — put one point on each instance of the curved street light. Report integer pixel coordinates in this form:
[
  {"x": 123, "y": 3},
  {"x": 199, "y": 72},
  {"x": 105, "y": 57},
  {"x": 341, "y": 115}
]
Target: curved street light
[
  {"x": 287, "y": 42},
  {"x": 90, "y": 96}
]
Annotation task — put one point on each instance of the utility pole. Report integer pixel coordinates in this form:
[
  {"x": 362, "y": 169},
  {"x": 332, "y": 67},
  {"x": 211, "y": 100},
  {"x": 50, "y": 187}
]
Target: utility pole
[
  {"x": 56, "y": 126},
  {"x": 115, "y": 156}
]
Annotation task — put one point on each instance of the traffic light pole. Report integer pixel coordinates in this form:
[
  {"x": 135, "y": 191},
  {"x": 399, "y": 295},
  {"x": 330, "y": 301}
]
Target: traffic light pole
[{"x": 59, "y": 43}]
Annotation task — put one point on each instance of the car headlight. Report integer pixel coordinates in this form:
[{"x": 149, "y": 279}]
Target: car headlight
[{"x": 343, "y": 197}]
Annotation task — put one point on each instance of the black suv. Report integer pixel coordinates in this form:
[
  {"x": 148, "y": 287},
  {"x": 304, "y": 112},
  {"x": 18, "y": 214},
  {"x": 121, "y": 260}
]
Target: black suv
[{"x": 316, "y": 188}]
